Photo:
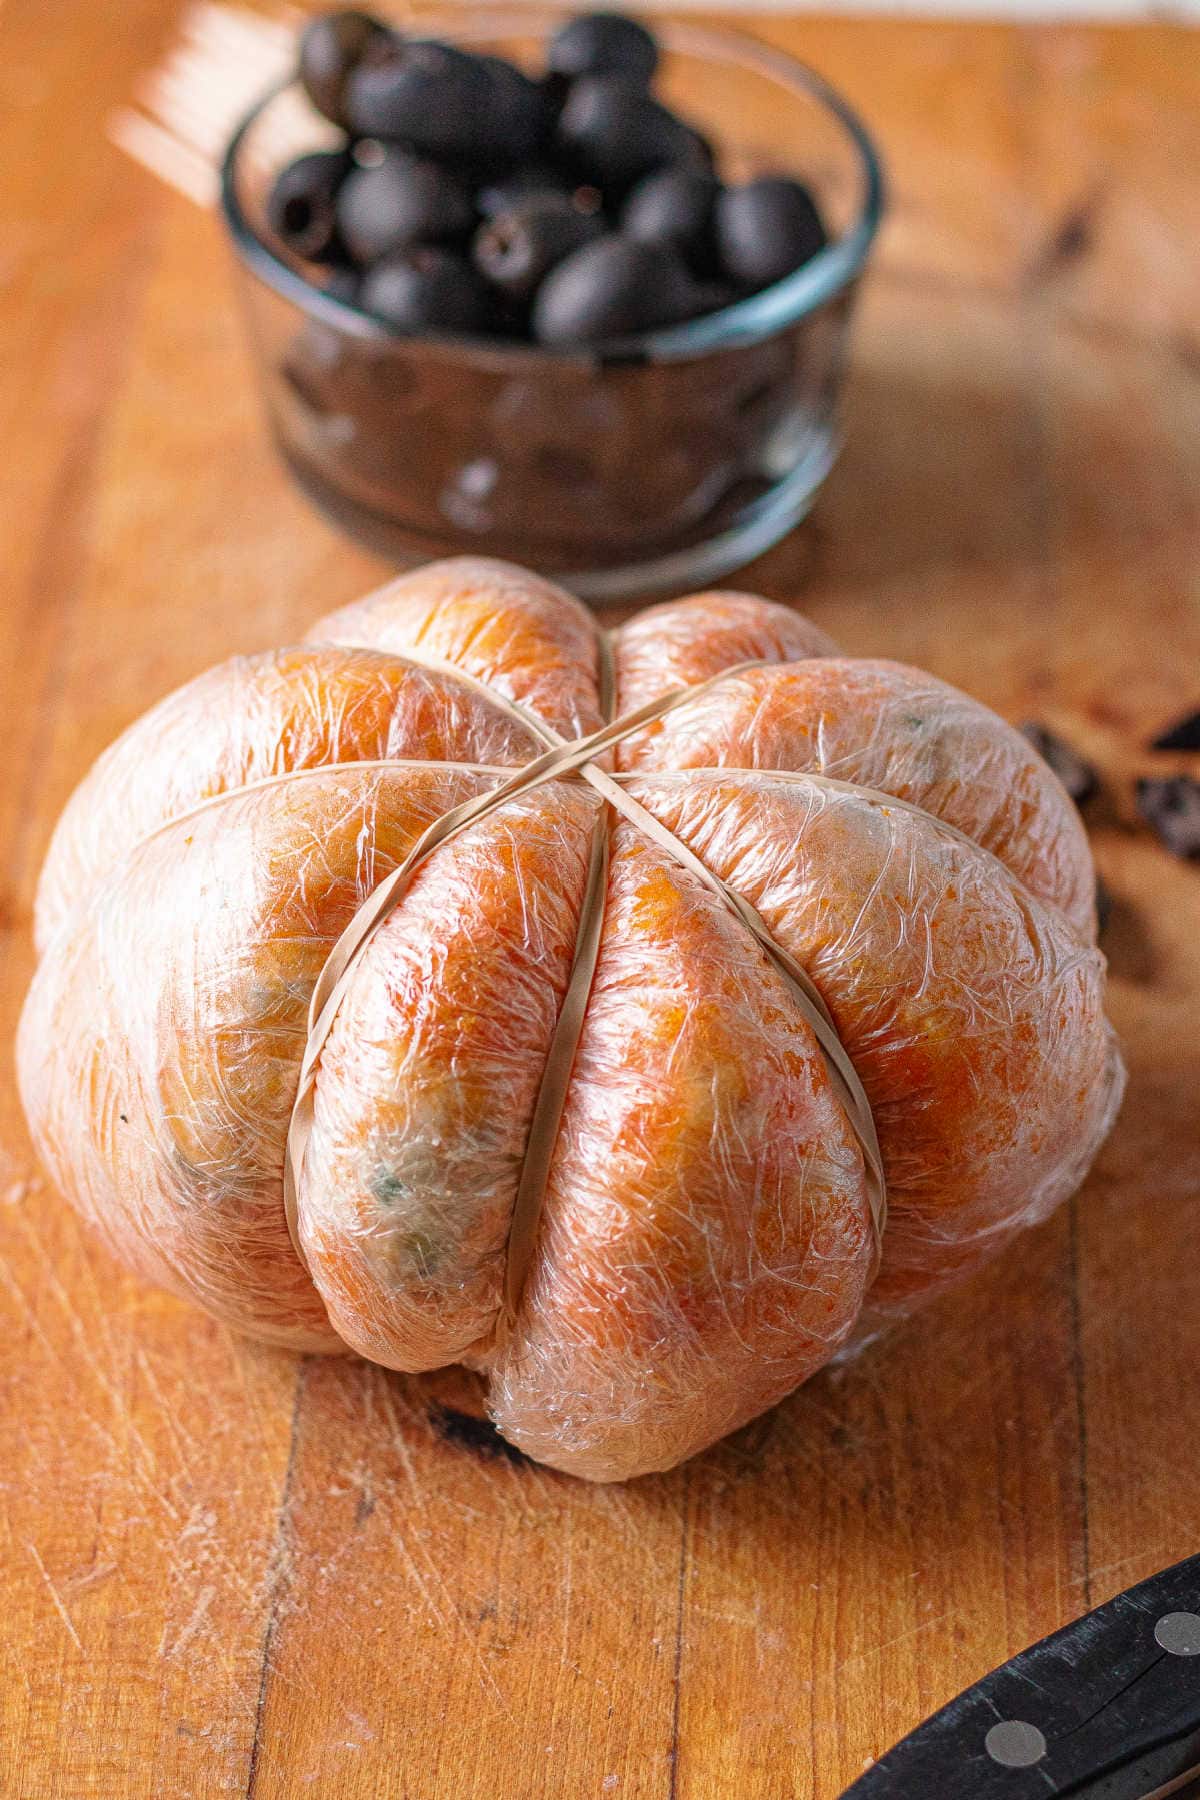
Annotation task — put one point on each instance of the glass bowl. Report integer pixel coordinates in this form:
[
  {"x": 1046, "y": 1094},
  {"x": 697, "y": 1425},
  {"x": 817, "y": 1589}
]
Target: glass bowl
[{"x": 658, "y": 463}]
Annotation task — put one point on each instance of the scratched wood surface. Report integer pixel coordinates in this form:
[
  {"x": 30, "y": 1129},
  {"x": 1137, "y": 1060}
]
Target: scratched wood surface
[{"x": 228, "y": 1571}]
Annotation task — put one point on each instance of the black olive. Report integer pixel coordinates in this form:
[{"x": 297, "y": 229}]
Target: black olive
[
  {"x": 302, "y": 205},
  {"x": 428, "y": 289},
  {"x": 518, "y": 248},
  {"x": 331, "y": 48},
  {"x": 429, "y": 96},
  {"x": 519, "y": 113},
  {"x": 1183, "y": 735},
  {"x": 403, "y": 200},
  {"x": 1170, "y": 805},
  {"x": 612, "y": 288},
  {"x": 675, "y": 206},
  {"x": 694, "y": 151},
  {"x": 712, "y": 296},
  {"x": 614, "y": 132},
  {"x": 343, "y": 284},
  {"x": 603, "y": 43},
  {"x": 767, "y": 229}
]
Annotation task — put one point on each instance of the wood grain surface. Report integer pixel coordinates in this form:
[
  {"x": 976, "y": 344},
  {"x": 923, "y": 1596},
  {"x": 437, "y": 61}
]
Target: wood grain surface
[{"x": 231, "y": 1572}]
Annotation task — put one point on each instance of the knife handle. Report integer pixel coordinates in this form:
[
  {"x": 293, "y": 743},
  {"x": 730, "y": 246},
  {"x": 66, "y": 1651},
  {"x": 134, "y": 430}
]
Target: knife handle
[{"x": 1105, "y": 1709}]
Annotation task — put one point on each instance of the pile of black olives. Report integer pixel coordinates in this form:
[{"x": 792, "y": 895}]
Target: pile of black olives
[{"x": 569, "y": 208}]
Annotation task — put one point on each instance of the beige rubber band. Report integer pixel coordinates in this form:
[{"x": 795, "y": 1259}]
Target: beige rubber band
[
  {"x": 560, "y": 1058},
  {"x": 564, "y": 758}
]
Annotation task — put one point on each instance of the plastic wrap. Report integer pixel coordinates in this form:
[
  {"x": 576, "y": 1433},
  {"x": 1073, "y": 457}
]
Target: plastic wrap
[{"x": 705, "y": 1239}]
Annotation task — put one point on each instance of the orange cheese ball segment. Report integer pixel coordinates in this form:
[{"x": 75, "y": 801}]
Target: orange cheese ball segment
[
  {"x": 176, "y": 1008},
  {"x": 973, "y": 1013},
  {"x": 429, "y": 1080},
  {"x": 885, "y": 726},
  {"x": 683, "y": 642},
  {"x": 706, "y": 1236},
  {"x": 251, "y": 719},
  {"x": 529, "y": 640}
]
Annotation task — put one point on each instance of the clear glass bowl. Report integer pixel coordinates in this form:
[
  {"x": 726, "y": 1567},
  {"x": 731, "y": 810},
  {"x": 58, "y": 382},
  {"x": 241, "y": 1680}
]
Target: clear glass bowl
[{"x": 654, "y": 465}]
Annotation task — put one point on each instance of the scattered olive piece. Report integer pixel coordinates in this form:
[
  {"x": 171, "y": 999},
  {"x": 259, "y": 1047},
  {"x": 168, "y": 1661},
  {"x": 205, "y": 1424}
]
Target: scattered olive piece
[
  {"x": 302, "y": 205},
  {"x": 766, "y": 229},
  {"x": 331, "y": 48},
  {"x": 1077, "y": 776},
  {"x": 1170, "y": 805},
  {"x": 1183, "y": 735},
  {"x": 603, "y": 43},
  {"x": 400, "y": 201}
]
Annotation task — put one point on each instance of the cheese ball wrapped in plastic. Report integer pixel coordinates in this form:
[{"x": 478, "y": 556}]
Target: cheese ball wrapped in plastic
[{"x": 640, "y": 1076}]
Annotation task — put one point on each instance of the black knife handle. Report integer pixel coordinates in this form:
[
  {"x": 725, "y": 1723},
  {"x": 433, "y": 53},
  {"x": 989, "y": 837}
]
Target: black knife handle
[{"x": 1106, "y": 1709}]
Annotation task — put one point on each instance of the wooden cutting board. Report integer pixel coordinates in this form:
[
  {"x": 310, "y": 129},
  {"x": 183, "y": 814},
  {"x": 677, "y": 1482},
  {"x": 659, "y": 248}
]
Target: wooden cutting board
[{"x": 228, "y": 1571}]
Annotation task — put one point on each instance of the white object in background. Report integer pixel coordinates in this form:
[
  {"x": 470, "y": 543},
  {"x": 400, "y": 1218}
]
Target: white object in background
[{"x": 186, "y": 111}]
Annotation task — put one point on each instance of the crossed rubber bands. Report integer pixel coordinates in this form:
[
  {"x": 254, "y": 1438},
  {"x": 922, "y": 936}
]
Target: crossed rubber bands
[{"x": 564, "y": 758}]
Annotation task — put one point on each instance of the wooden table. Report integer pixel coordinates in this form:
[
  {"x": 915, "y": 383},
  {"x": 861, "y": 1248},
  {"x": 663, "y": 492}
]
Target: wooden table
[{"x": 232, "y": 1572}]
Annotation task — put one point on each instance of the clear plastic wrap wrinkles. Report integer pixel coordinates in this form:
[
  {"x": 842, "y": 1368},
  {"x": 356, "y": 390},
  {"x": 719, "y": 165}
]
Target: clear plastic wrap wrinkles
[{"x": 705, "y": 1241}]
